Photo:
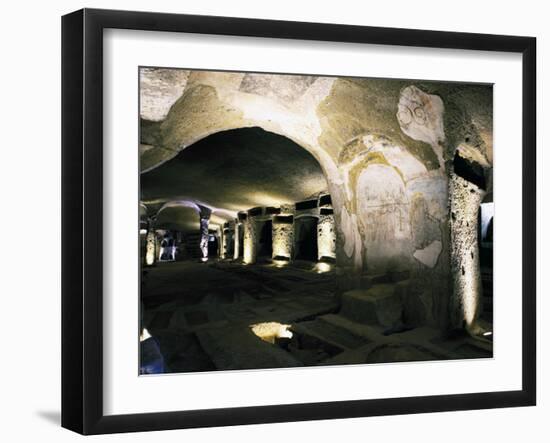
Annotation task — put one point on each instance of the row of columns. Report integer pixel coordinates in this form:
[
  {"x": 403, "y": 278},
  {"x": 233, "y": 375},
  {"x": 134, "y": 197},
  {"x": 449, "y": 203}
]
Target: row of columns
[
  {"x": 153, "y": 249},
  {"x": 247, "y": 231}
]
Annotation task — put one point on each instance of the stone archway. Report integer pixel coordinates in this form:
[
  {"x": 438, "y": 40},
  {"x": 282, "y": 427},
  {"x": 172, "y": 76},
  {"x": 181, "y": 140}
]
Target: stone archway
[
  {"x": 265, "y": 239},
  {"x": 287, "y": 107}
]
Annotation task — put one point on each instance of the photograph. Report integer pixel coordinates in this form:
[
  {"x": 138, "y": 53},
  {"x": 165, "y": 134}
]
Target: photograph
[
  {"x": 270, "y": 222},
  {"x": 290, "y": 220}
]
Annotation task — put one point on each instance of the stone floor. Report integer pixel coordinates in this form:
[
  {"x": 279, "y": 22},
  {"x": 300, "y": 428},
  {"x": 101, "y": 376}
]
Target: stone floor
[{"x": 206, "y": 317}]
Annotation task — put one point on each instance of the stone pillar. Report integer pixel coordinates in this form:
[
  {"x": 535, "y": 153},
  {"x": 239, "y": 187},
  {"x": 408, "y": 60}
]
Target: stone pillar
[
  {"x": 283, "y": 237},
  {"x": 204, "y": 221},
  {"x": 219, "y": 237},
  {"x": 326, "y": 235},
  {"x": 250, "y": 241},
  {"x": 223, "y": 246},
  {"x": 150, "y": 247},
  {"x": 467, "y": 186},
  {"x": 204, "y": 238},
  {"x": 227, "y": 241},
  {"x": 236, "y": 240}
]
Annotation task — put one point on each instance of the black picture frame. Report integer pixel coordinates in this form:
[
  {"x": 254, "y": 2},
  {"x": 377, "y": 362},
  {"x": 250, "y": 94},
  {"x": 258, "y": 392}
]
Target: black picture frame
[{"x": 82, "y": 190}]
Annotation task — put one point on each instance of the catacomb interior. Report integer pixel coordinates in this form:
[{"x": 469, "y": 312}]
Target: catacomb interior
[{"x": 291, "y": 221}]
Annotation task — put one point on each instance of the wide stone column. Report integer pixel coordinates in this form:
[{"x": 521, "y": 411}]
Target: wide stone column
[
  {"x": 204, "y": 222},
  {"x": 466, "y": 191},
  {"x": 250, "y": 241},
  {"x": 237, "y": 239},
  {"x": 150, "y": 247},
  {"x": 282, "y": 237},
  {"x": 224, "y": 243},
  {"x": 326, "y": 235}
]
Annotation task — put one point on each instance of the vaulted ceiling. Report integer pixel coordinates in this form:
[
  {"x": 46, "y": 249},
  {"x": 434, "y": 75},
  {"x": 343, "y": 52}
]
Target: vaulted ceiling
[{"x": 230, "y": 171}]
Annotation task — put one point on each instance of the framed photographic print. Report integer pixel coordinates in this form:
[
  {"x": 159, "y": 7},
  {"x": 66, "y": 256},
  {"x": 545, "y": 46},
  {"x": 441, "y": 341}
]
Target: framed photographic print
[{"x": 270, "y": 221}]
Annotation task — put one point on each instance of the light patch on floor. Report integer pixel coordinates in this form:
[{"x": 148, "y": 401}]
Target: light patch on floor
[
  {"x": 321, "y": 267},
  {"x": 269, "y": 331}
]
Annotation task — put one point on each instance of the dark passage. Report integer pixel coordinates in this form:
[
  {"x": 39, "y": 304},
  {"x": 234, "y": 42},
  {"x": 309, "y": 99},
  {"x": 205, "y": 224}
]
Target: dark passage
[
  {"x": 212, "y": 246},
  {"x": 306, "y": 239},
  {"x": 265, "y": 243},
  {"x": 241, "y": 241}
]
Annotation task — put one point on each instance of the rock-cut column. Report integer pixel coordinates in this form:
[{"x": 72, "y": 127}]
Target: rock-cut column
[
  {"x": 224, "y": 235},
  {"x": 204, "y": 222},
  {"x": 236, "y": 239},
  {"x": 326, "y": 236},
  {"x": 150, "y": 247},
  {"x": 283, "y": 237},
  {"x": 250, "y": 241},
  {"x": 466, "y": 191}
]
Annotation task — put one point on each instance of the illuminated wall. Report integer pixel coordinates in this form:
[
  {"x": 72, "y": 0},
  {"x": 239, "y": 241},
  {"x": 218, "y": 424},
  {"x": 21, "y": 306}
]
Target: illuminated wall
[
  {"x": 383, "y": 218},
  {"x": 326, "y": 236}
]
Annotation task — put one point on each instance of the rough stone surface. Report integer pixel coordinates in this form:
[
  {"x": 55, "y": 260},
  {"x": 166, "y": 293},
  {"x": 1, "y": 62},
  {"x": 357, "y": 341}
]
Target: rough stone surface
[
  {"x": 239, "y": 348},
  {"x": 223, "y": 316},
  {"x": 416, "y": 306},
  {"x": 379, "y": 305},
  {"x": 250, "y": 241},
  {"x": 204, "y": 236},
  {"x": 430, "y": 254},
  {"x": 383, "y": 211},
  {"x": 465, "y": 269},
  {"x": 283, "y": 239},
  {"x": 227, "y": 243},
  {"x": 281, "y": 87},
  {"x": 326, "y": 237},
  {"x": 159, "y": 90}
]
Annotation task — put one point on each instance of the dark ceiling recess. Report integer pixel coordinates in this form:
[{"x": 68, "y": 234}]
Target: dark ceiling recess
[
  {"x": 284, "y": 219},
  {"x": 325, "y": 200},
  {"x": 308, "y": 204},
  {"x": 255, "y": 211},
  {"x": 469, "y": 170},
  {"x": 270, "y": 210}
]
